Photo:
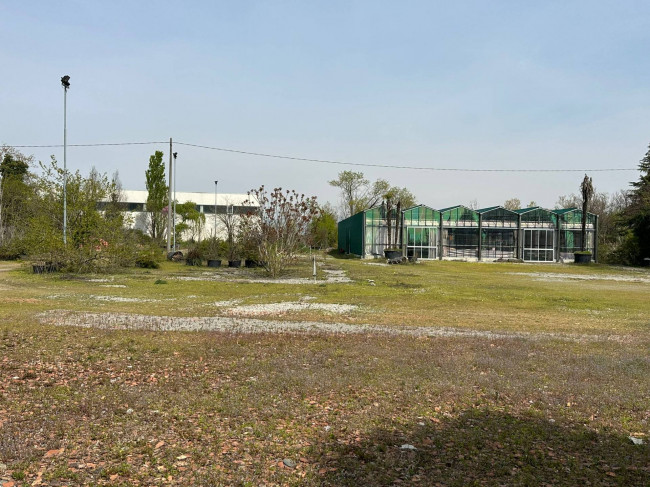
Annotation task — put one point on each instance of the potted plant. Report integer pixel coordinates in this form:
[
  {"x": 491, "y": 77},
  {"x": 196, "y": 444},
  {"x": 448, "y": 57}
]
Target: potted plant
[
  {"x": 582, "y": 257},
  {"x": 213, "y": 247},
  {"x": 234, "y": 252},
  {"x": 194, "y": 257}
]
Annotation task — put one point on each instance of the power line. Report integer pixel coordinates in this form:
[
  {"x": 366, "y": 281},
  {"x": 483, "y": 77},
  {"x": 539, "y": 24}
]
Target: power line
[
  {"x": 340, "y": 163},
  {"x": 419, "y": 168},
  {"x": 86, "y": 145}
]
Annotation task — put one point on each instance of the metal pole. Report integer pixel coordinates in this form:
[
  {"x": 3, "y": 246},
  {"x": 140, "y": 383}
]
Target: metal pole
[
  {"x": 65, "y": 166},
  {"x": 169, "y": 201},
  {"x": 174, "y": 222},
  {"x": 216, "y": 183}
]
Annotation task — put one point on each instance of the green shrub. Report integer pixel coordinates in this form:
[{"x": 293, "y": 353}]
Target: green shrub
[
  {"x": 194, "y": 257},
  {"x": 147, "y": 259}
]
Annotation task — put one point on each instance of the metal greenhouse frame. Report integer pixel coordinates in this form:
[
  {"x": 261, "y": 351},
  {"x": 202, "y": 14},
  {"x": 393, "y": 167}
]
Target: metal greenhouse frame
[
  {"x": 531, "y": 234},
  {"x": 460, "y": 232},
  {"x": 499, "y": 235},
  {"x": 570, "y": 232},
  {"x": 537, "y": 234},
  {"x": 421, "y": 232}
]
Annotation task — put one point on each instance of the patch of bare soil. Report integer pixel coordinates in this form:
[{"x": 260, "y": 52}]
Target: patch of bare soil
[{"x": 132, "y": 321}]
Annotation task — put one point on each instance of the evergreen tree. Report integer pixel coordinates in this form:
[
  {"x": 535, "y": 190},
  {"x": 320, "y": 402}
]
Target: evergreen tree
[
  {"x": 639, "y": 210},
  {"x": 157, "y": 199}
]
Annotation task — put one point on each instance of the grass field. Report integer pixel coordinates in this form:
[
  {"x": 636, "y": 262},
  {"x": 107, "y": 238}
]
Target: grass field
[{"x": 521, "y": 375}]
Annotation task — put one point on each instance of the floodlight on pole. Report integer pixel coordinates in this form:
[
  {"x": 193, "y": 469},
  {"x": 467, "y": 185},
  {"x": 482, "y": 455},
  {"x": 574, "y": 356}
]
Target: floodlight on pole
[{"x": 65, "y": 82}]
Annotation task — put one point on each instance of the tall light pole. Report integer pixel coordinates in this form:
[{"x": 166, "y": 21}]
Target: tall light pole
[
  {"x": 65, "y": 82},
  {"x": 174, "y": 223},
  {"x": 215, "y": 209}
]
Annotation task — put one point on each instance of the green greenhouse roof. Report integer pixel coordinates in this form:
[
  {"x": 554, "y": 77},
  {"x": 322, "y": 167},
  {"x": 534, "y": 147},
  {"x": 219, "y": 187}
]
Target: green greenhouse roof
[
  {"x": 491, "y": 208},
  {"x": 562, "y": 211},
  {"x": 419, "y": 206},
  {"x": 442, "y": 210},
  {"x": 530, "y": 208}
]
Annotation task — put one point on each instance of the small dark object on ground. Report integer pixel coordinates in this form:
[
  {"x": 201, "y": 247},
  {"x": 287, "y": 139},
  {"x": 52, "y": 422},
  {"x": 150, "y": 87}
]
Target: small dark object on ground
[
  {"x": 175, "y": 255},
  {"x": 413, "y": 259},
  {"x": 582, "y": 257},
  {"x": 392, "y": 254},
  {"x": 397, "y": 260},
  {"x": 251, "y": 263},
  {"x": 45, "y": 267},
  {"x": 160, "y": 281},
  {"x": 214, "y": 263},
  {"x": 234, "y": 263}
]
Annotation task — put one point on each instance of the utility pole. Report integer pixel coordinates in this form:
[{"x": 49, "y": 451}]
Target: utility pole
[
  {"x": 169, "y": 201},
  {"x": 65, "y": 82},
  {"x": 174, "y": 219}
]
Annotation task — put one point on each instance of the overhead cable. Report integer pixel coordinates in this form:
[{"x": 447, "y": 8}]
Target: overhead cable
[{"x": 341, "y": 163}]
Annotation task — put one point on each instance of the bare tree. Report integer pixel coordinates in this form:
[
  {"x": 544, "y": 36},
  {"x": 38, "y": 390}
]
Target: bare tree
[
  {"x": 280, "y": 225},
  {"x": 231, "y": 223},
  {"x": 512, "y": 204}
]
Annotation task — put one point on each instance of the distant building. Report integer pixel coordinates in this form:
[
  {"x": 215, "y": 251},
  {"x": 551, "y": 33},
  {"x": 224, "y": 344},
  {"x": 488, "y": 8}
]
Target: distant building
[
  {"x": 530, "y": 234},
  {"x": 134, "y": 203}
]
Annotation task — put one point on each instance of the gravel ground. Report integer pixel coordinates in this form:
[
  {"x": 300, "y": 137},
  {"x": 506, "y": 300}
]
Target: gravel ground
[
  {"x": 281, "y": 308},
  {"x": 332, "y": 277},
  {"x": 544, "y": 276},
  {"x": 132, "y": 321}
]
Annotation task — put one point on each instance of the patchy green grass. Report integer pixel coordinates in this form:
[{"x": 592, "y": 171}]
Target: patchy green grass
[{"x": 82, "y": 406}]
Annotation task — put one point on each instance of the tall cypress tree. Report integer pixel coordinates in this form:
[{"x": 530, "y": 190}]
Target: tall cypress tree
[{"x": 157, "y": 198}]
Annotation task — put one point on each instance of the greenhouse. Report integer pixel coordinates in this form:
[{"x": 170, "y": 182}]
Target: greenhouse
[
  {"x": 530, "y": 234},
  {"x": 537, "y": 230},
  {"x": 460, "y": 232},
  {"x": 498, "y": 233},
  {"x": 570, "y": 231},
  {"x": 366, "y": 233},
  {"x": 421, "y": 232}
]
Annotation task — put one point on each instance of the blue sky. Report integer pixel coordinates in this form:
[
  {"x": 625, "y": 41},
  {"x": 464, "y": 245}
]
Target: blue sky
[{"x": 470, "y": 84}]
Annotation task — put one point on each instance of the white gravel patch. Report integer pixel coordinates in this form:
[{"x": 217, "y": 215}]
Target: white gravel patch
[
  {"x": 286, "y": 307},
  {"x": 227, "y": 304},
  {"x": 121, "y": 299},
  {"x": 131, "y": 321},
  {"x": 332, "y": 277},
  {"x": 113, "y": 285},
  {"x": 548, "y": 276}
]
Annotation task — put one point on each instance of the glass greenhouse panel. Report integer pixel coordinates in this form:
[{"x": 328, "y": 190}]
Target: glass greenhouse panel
[
  {"x": 421, "y": 243},
  {"x": 498, "y": 244},
  {"x": 571, "y": 242},
  {"x": 460, "y": 242},
  {"x": 539, "y": 245}
]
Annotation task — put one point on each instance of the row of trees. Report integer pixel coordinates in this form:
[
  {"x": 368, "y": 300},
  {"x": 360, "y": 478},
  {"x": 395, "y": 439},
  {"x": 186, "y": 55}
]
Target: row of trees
[
  {"x": 31, "y": 217},
  {"x": 99, "y": 236}
]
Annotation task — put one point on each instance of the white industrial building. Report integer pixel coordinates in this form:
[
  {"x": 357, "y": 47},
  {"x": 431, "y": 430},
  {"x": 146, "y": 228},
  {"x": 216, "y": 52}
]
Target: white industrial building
[{"x": 135, "y": 204}]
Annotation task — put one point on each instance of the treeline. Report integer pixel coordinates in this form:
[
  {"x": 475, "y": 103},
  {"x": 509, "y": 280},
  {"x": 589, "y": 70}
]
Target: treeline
[
  {"x": 31, "y": 218},
  {"x": 99, "y": 234},
  {"x": 623, "y": 219}
]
